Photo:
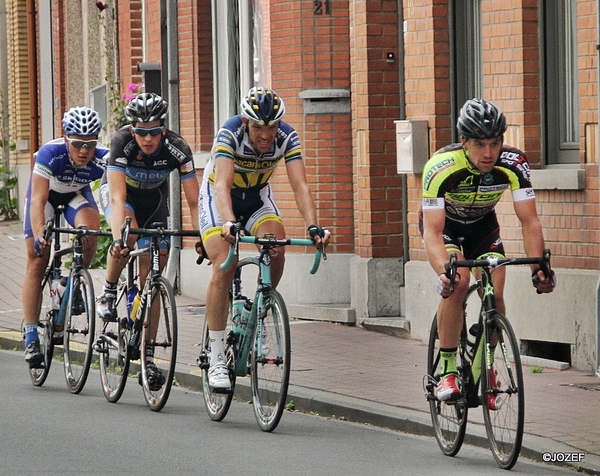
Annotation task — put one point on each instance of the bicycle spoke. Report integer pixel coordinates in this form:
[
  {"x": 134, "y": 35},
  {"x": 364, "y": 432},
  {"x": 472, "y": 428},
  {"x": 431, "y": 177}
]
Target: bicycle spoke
[
  {"x": 270, "y": 362},
  {"x": 159, "y": 346},
  {"x": 503, "y": 396},
  {"x": 45, "y": 331},
  {"x": 449, "y": 419},
  {"x": 112, "y": 349},
  {"x": 80, "y": 320}
]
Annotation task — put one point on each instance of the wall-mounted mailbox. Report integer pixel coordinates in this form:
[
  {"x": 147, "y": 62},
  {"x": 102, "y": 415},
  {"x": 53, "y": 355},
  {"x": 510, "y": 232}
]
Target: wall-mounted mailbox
[{"x": 412, "y": 146}]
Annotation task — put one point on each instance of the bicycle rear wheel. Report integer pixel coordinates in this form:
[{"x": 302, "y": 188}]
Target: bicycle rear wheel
[
  {"x": 112, "y": 347},
  {"x": 159, "y": 345},
  {"x": 270, "y": 359},
  {"x": 45, "y": 332},
  {"x": 80, "y": 327},
  {"x": 216, "y": 403},
  {"x": 449, "y": 419},
  {"x": 504, "y": 391}
]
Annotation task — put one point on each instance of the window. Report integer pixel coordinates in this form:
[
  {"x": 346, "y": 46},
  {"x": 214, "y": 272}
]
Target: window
[
  {"x": 466, "y": 63},
  {"x": 561, "y": 124}
]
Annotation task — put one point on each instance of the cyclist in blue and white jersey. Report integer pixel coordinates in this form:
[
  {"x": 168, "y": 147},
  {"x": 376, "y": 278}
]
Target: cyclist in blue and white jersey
[
  {"x": 235, "y": 188},
  {"x": 61, "y": 175}
]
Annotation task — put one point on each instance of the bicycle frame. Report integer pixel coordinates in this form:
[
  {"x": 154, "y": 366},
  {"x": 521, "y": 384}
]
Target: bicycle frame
[{"x": 262, "y": 261}]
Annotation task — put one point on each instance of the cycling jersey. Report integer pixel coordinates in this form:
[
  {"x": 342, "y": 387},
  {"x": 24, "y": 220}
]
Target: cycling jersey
[
  {"x": 452, "y": 183},
  {"x": 143, "y": 171},
  {"x": 251, "y": 170},
  {"x": 68, "y": 185},
  {"x": 53, "y": 163}
]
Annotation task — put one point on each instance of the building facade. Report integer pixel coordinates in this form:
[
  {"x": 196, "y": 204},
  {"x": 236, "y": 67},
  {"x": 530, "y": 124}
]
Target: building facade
[{"x": 348, "y": 71}]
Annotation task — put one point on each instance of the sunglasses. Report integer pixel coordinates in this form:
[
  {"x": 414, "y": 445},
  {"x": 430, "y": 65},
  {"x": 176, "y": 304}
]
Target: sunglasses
[
  {"x": 78, "y": 143},
  {"x": 153, "y": 131}
]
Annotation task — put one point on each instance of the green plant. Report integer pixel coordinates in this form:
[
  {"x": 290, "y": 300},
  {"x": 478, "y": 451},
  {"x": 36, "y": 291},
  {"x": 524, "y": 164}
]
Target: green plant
[
  {"x": 8, "y": 202},
  {"x": 291, "y": 406},
  {"x": 104, "y": 243},
  {"x": 538, "y": 369}
]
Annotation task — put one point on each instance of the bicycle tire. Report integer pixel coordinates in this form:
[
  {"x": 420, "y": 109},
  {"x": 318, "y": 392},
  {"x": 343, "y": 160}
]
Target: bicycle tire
[
  {"x": 216, "y": 403},
  {"x": 159, "y": 338},
  {"x": 45, "y": 332},
  {"x": 80, "y": 328},
  {"x": 449, "y": 420},
  {"x": 270, "y": 360},
  {"x": 112, "y": 347},
  {"x": 504, "y": 426}
]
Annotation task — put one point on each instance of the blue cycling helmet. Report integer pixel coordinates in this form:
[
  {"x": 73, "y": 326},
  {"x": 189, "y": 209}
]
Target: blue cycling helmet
[
  {"x": 262, "y": 105},
  {"x": 82, "y": 121}
]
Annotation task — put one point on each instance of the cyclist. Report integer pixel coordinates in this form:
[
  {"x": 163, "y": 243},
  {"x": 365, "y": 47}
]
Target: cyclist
[
  {"x": 61, "y": 175},
  {"x": 462, "y": 183},
  {"x": 235, "y": 188},
  {"x": 142, "y": 156}
]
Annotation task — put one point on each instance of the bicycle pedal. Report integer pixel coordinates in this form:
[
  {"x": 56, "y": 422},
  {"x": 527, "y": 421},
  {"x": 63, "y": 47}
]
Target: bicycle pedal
[{"x": 224, "y": 391}]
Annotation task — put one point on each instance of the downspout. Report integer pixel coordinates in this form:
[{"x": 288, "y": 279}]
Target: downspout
[
  {"x": 170, "y": 82},
  {"x": 33, "y": 79},
  {"x": 598, "y": 139},
  {"x": 402, "y": 102}
]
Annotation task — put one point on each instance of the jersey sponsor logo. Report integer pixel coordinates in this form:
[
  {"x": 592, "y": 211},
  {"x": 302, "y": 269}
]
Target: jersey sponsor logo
[
  {"x": 255, "y": 164},
  {"x": 187, "y": 167},
  {"x": 487, "y": 179},
  {"x": 158, "y": 163},
  {"x": 433, "y": 203},
  {"x": 435, "y": 168},
  {"x": 468, "y": 182},
  {"x": 493, "y": 188},
  {"x": 175, "y": 152}
]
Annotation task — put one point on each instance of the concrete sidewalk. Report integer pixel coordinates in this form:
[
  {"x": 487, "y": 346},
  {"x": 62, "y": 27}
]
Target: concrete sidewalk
[{"x": 361, "y": 375}]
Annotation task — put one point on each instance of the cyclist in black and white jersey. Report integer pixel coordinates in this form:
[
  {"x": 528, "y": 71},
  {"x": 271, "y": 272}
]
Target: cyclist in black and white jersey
[
  {"x": 462, "y": 183},
  {"x": 142, "y": 155}
]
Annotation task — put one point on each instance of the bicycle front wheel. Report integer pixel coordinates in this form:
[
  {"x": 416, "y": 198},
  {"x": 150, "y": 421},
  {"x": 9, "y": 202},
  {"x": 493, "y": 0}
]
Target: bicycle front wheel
[
  {"x": 502, "y": 392},
  {"x": 45, "y": 331},
  {"x": 159, "y": 345},
  {"x": 216, "y": 402},
  {"x": 449, "y": 419},
  {"x": 112, "y": 347},
  {"x": 270, "y": 359},
  {"x": 80, "y": 326}
]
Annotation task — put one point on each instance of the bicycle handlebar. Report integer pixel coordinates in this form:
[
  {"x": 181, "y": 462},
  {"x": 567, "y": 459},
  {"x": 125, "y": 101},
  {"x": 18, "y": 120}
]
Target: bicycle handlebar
[
  {"x": 159, "y": 230},
  {"x": 494, "y": 262},
  {"x": 81, "y": 230},
  {"x": 272, "y": 242}
]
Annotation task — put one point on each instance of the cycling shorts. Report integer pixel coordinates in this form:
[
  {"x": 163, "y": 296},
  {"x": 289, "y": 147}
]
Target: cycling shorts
[
  {"x": 72, "y": 201},
  {"x": 252, "y": 207},
  {"x": 474, "y": 240},
  {"x": 147, "y": 206}
]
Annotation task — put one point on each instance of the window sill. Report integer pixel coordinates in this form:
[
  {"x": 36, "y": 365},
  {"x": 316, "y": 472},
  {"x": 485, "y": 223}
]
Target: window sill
[{"x": 558, "y": 179}]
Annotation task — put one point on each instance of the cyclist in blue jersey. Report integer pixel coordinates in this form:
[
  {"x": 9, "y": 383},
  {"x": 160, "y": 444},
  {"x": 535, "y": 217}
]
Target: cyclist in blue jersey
[
  {"x": 235, "y": 188},
  {"x": 61, "y": 175},
  {"x": 462, "y": 183}
]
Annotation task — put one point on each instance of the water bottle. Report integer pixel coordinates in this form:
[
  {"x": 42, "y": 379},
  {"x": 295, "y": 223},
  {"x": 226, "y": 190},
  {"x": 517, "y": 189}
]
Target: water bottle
[
  {"x": 247, "y": 310},
  {"x": 238, "y": 313},
  {"x": 58, "y": 286},
  {"x": 133, "y": 301}
]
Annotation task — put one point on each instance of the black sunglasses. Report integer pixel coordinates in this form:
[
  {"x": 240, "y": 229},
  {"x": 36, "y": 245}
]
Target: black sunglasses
[
  {"x": 153, "y": 131},
  {"x": 78, "y": 143}
]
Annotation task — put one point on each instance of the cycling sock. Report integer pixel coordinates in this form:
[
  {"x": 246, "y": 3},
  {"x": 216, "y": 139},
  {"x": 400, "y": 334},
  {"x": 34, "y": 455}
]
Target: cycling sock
[
  {"x": 31, "y": 333},
  {"x": 217, "y": 348},
  {"x": 110, "y": 286},
  {"x": 448, "y": 361}
]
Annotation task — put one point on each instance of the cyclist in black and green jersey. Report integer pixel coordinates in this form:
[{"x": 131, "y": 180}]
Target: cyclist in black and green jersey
[{"x": 462, "y": 183}]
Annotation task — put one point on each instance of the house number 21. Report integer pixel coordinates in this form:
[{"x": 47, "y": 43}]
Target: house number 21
[{"x": 320, "y": 7}]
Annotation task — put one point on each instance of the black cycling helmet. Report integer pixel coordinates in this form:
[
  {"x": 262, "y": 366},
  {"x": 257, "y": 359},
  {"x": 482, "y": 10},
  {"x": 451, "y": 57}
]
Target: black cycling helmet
[
  {"x": 262, "y": 105},
  {"x": 81, "y": 121},
  {"x": 146, "y": 107},
  {"x": 480, "y": 119}
]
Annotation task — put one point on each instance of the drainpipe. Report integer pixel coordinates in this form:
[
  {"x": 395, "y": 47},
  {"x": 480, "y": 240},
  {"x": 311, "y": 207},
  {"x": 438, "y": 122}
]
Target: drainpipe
[
  {"x": 404, "y": 178},
  {"x": 171, "y": 88},
  {"x": 598, "y": 139},
  {"x": 33, "y": 82}
]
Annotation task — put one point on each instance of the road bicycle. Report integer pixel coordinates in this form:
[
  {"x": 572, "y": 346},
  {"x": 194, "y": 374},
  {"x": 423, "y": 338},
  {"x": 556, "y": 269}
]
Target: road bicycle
[
  {"x": 68, "y": 313},
  {"x": 489, "y": 366},
  {"x": 146, "y": 325},
  {"x": 258, "y": 336}
]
